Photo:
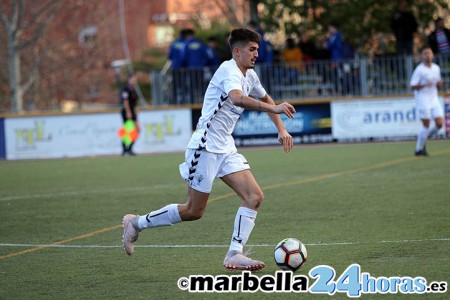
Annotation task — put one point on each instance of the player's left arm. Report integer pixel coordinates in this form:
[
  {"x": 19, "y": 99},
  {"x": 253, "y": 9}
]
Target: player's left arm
[{"x": 283, "y": 136}]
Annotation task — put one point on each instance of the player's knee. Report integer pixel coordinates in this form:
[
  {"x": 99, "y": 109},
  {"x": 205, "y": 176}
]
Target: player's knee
[
  {"x": 260, "y": 198},
  {"x": 256, "y": 200}
]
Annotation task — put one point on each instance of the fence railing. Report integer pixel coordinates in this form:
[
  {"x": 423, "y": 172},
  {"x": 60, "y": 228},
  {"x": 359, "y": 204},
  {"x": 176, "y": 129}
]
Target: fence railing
[{"x": 378, "y": 76}]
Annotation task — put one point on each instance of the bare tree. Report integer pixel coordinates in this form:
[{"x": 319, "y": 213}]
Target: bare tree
[
  {"x": 25, "y": 22},
  {"x": 232, "y": 10}
]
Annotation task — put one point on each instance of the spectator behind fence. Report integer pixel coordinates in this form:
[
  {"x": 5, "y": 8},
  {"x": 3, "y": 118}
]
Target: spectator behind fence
[
  {"x": 213, "y": 57},
  {"x": 195, "y": 59},
  {"x": 176, "y": 57},
  {"x": 439, "y": 39},
  {"x": 195, "y": 55},
  {"x": 224, "y": 49},
  {"x": 176, "y": 51},
  {"x": 308, "y": 48},
  {"x": 213, "y": 60},
  {"x": 404, "y": 25},
  {"x": 334, "y": 42},
  {"x": 291, "y": 56}
]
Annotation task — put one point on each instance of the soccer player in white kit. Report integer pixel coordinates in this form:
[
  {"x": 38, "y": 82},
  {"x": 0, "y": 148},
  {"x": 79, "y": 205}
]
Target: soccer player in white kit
[
  {"x": 211, "y": 152},
  {"x": 425, "y": 80}
]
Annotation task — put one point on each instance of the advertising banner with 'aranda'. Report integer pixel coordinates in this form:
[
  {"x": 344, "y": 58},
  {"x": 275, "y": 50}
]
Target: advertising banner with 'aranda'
[{"x": 391, "y": 119}]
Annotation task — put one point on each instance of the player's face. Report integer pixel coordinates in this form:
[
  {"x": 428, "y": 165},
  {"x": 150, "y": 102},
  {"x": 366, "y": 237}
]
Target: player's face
[
  {"x": 246, "y": 56},
  {"x": 132, "y": 81},
  {"x": 427, "y": 56}
]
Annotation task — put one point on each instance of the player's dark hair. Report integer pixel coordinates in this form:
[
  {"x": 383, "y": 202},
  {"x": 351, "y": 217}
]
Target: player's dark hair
[
  {"x": 242, "y": 36},
  {"x": 424, "y": 48},
  {"x": 131, "y": 75},
  {"x": 439, "y": 19}
]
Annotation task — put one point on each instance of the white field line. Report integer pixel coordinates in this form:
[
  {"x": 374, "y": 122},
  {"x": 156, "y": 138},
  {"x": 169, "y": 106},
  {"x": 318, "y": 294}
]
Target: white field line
[{"x": 220, "y": 246}]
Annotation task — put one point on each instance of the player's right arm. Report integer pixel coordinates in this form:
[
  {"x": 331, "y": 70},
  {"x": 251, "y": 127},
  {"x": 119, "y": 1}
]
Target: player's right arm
[
  {"x": 418, "y": 81},
  {"x": 421, "y": 86},
  {"x": 268, "y": 105},
  {"x": 283, "y": 136},
  {"x": 239, "y": 99}
]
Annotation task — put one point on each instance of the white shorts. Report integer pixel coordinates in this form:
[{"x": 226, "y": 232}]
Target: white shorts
[
  {"x": 202, "y": 167},
  {"x": 429, "y": 112}
]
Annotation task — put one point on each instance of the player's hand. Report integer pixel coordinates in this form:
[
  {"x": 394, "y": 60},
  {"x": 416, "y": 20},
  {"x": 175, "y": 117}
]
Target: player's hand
[
  {"x": 286, "y": 140},
  {"x": 285, "y": 108}
]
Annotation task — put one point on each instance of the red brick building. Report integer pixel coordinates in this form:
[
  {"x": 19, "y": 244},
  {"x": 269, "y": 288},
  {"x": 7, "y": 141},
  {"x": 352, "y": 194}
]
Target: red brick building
[
  {"x": 84, "y": 39},
  {"x": 169, "y": 15}
]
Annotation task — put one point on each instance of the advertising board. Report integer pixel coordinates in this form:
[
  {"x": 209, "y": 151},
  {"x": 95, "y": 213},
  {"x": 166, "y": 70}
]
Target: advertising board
[
  {"x": 375, "y": 119},
  {"x": 93, "y": 134},
  {"x": 311, "y": 124}
]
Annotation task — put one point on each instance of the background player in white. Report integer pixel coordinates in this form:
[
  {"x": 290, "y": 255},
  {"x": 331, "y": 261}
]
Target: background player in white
[
  {"x": 212, "y": 153},
  {"x": 424, "y": 81}
]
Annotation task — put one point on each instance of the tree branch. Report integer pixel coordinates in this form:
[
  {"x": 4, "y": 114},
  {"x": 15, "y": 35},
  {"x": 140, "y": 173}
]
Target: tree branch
[
  {"x": 3, "y": 17},
  {"x": 53, "y": 7},
  {"x": 31, "y": 79},
  {"x": 228, "y": 8}
]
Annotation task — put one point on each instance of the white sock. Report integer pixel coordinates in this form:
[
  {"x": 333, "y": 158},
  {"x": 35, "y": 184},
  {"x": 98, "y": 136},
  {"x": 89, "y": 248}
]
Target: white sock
[
  {"x": 432, "y": 131},
  {"x": 166, "y": 216},
  {"x": 422, "y": 138},
  {"x": 243, "y": 226}
]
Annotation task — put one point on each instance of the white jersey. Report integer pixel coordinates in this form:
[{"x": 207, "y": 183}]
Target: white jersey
[
  {"x": 219, "y": 114},
  {"x": 428, "y": 96}
]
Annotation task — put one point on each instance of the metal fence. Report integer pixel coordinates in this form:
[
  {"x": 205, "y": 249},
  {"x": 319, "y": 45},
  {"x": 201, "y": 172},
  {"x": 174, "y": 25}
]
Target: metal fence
[{"x": 378, "y": 76}]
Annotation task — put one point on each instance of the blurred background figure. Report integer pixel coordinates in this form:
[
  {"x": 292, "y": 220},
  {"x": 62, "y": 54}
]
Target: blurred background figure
[
  {"x": 404, "y": 25},
  {"x": 291, "y": 54},
  {"x": 195, "y": 59},
  {"x": 335, "y": 45},
  {"x": 176, "y": 57},
  {"x": 439, "y": 39},
  {"x": 213, "y": 56},
  {"x": 292, "y": 57},
  {"x": 213, "y": 60},
  {"x": 128, "y": 102},
  {"x": 334, "y": 42},
  {"x": 308, "y": 48},
  {"x": 425, "y": 81}
]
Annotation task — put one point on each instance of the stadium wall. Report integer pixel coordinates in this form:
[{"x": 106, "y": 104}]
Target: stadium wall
[
  {"x": 169, "y": 130},
  {"x": 75, "y": 135}
]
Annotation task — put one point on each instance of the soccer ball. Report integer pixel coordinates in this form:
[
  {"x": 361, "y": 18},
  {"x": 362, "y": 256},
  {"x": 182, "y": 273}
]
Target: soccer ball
[{"x": 290, "y": 254}]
